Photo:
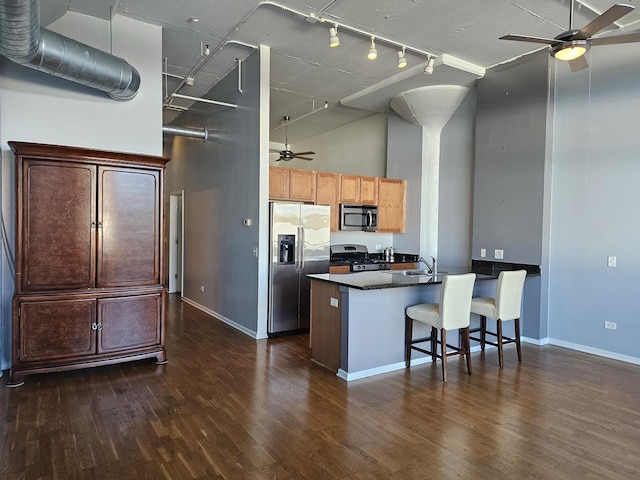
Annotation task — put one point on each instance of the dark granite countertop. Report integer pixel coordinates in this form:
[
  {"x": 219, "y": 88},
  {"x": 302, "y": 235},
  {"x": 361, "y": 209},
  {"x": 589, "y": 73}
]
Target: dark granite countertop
[{"x": 373, "y": 280}]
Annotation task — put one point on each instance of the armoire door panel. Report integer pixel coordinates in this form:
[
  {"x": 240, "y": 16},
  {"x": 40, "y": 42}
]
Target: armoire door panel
[
  {"x": 129, "y": 323},
  {"x": 128, "y": 237},
  {"x": 59, "y": 236},
  {"x": 57, "y": 330}
]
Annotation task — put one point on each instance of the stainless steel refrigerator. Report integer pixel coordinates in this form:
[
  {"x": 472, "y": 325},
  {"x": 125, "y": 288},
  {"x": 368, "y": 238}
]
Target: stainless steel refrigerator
[{"x": 299, "y": 245}]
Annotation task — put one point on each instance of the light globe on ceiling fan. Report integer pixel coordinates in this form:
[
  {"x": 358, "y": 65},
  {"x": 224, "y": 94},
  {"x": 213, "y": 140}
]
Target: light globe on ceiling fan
[
  {"x": 573, "y": 44},
  {"x": 287, "y": 154}
]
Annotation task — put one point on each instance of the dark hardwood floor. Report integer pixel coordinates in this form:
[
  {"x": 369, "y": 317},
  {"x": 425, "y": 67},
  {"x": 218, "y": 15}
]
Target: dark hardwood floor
[{"x": 227, "y": 406}]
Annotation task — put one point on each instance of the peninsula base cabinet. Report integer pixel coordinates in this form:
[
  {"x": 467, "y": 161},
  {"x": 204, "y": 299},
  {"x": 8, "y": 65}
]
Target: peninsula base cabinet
[{"x": 89, "y": 259}]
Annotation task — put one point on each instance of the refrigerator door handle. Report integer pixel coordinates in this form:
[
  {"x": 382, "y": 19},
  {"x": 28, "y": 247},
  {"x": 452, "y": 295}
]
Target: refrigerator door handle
[{"x": 301, "y": 249}]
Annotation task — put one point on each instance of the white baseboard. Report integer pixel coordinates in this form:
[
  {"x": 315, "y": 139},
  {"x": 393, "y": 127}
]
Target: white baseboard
[
  {"x": 595, "y": 351},
  {"x": 224, "y": 319},
  {"x": 535, "y": 341}
]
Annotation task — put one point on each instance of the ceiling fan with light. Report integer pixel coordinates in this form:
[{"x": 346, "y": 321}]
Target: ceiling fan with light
[
  {"x": 287, "y": 154},
  {"x": 573, "y": 44}
]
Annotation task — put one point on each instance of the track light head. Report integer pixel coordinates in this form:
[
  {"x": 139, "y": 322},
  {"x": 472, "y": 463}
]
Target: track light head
[
  {"x": 334, "y": 41},
  {"x": 428, "y": 70},
  {"x": 373, "y": 53},
  {"x": 402, "y": 61}
]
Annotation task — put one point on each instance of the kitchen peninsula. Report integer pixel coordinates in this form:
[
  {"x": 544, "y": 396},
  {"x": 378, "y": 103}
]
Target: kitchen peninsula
[{"x": 357, "y": 319}]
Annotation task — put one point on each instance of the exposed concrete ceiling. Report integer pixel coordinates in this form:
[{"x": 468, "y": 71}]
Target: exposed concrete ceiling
[{"x": 306, "y": 72}]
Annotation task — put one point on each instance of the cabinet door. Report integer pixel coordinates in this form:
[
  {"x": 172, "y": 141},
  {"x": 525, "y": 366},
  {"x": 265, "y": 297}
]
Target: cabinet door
[
  {"x": 129, "y": 223},
  {"x": 302, "y": 185},
  {"x": 58, "y": 226},
  {"x": 369, "y": 190},
  {"x": 350, "y": 189},
  {"x": 129, "y": 323},
  {"x": 278, "y": 183},
  {"x": 328, "y": 193},
  {"x": 56, "y": 330},
  {"x": 391, "y": 205}
]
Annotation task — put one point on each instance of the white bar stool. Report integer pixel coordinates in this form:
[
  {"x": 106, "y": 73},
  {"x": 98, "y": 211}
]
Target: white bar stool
[
  {"x": 451, "y": 313},
  {"x": 506, "y": 306}
]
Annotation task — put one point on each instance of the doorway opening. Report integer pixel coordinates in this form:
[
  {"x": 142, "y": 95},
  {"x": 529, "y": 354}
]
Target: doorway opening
[{"x": 176, "y": 241}]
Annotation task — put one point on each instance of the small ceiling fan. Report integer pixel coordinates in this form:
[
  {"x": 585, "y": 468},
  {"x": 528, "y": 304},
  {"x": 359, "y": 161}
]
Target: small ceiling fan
[
  {"x": 287, "y": 154},
  {"x": 573, "y": 44}
]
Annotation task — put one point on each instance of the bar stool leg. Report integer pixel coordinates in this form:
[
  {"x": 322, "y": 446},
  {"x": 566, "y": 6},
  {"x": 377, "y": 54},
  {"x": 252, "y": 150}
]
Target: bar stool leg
[
  {"x": 483, "y": 331},
  {"x": 434, "y": 344},
  {"x": 466, "y": 344},
  {"x": 499, "y": 325},
  {"x": 408, "y": 336},
  {"x": 517, "y": 327},
  {"x": 443, "y": 349}
]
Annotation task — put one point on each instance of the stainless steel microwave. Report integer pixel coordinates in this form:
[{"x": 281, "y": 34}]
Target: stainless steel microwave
[{"x": 363, "y": 218}]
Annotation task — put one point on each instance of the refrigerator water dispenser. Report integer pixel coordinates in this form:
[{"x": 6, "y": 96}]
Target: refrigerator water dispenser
[{"x": 286, "y": 247}]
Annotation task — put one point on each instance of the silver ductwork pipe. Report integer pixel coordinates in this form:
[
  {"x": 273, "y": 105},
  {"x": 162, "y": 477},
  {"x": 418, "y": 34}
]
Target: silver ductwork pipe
[
  {"x": 185, "y": 132},
  {"x": 23, "y": 41}
]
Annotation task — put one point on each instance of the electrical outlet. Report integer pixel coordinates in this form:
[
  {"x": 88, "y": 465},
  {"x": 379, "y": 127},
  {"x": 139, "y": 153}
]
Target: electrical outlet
[
  {"x": 483, "y": 252},
  {"x": 611, "y": 261},
  {"x": 334, "y": 302},
  {"x": 202, "y": 288},
  {"x": 611, "y": 325},
  {"x": 255, "y": 251},
  {"x": 498, "y": 254}
]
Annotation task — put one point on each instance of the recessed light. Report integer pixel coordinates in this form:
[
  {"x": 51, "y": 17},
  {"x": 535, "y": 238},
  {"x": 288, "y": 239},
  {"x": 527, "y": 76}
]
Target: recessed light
[{"x": 193, "y": 19}]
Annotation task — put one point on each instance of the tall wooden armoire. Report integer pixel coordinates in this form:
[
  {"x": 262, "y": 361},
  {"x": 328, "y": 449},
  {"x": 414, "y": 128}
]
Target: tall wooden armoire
[{"x": 89, "y": 259}]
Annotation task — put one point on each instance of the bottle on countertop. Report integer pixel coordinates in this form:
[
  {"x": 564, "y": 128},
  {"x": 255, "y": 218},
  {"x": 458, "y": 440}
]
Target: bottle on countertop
[{"x": 391, "y": 254}]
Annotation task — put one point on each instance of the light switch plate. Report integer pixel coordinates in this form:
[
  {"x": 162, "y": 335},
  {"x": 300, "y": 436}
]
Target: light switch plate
[
  {"x": 334, "y": 302},
  {"x": 498, "y": 254},
  {"x": 611, "y": 261},
  {"x": 483, "y": 252}
]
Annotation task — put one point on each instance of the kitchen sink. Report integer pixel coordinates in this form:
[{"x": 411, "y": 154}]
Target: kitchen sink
[{"x": 415, "y": 273}]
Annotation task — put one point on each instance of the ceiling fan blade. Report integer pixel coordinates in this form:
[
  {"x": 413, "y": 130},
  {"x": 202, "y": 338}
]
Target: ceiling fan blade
[
  {"x": 273, "y": 150},
  {"x": 628, "y": 38},
  {"x": 578, "y": 64},
  {"x": 614, "y": 13},
  {"x": 525, "y": 38},
  {"x": 304, "y": 153},
  {"x": 303, "y": 158}
]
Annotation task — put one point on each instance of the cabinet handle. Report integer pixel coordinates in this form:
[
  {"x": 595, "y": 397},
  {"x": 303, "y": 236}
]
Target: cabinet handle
[
  {"x": 93, "y": 224},
  {"x": 94, "y": 326},
  {"x": 99, "y": 326},
  {"x": 99, "y": 224}
]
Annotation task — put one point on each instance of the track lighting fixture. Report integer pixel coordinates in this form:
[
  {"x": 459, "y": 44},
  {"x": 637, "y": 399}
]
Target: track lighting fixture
[
  {"x": 428, "y": 70},
  {"x": 334, "y": 41},
  {"x": 402, "y": 61},
  {"x": 373, "y": 53}
]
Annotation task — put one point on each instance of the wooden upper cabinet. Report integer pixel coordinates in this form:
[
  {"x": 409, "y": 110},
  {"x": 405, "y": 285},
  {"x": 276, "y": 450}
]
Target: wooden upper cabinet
[
  {"x": 369, "y": 190},
  {"x": 292, "y": 184},
  {"x": 302, "y": 185},
  {"x": 359, "y": 190},
  {"x": 392, "y": 205},
  {"x": 350, "y": 189},
  {"x": 278, "y": 183},
  {"x": 328, "y": 193}
]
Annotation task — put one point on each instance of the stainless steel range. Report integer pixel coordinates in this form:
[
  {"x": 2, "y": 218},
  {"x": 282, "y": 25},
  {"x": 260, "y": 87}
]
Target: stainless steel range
[{"x": 357, "y": 257}]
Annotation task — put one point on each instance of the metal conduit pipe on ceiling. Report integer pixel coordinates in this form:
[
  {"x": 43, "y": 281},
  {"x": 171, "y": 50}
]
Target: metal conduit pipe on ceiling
[
  {"x": 185, "y": 132},
  {"x": 23, "y": 41}
]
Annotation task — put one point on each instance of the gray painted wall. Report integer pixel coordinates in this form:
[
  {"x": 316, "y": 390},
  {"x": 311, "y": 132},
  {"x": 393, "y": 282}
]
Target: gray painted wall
[
  {"x": 35, "y": 107},
  {"x": 221, "y": 181},
  {"x": 510, "y": 160},
  {"x": 509, "y": 184},
  {"x": 595, "y": 178}
]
